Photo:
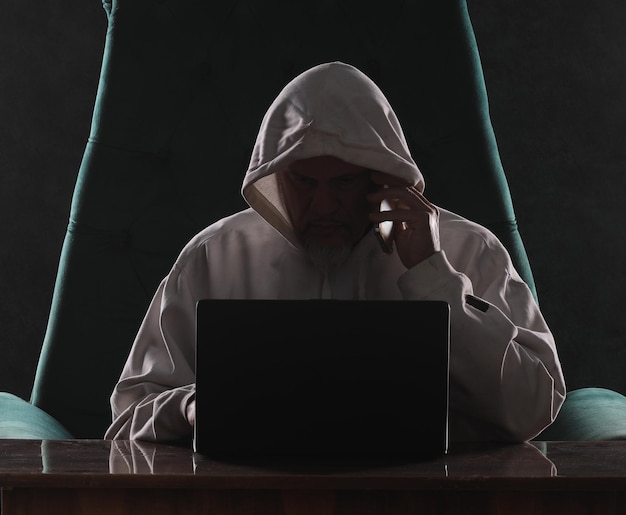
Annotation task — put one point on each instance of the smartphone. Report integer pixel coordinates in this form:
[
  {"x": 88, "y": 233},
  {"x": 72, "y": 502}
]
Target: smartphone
[{"x": 384, "y": 229}]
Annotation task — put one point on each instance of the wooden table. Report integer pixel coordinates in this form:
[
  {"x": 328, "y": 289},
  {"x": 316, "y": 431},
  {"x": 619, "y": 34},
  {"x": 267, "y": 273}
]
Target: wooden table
[{"x": 104, "y": 477}]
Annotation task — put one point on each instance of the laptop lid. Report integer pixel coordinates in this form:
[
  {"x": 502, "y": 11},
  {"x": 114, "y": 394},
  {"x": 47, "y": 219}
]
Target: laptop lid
[{"x": 322, "y": 377}]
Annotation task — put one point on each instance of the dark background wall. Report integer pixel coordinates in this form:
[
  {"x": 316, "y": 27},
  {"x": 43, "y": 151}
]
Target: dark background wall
[
  {"x": 50, "y": 56},
  {"x": 555, "y": 74}
]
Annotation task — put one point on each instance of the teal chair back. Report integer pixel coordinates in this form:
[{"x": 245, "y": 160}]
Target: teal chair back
[{"x": 183, "y": 88}]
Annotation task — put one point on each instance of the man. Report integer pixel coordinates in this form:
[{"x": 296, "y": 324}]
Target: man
[{"x": 329, "y": 150}]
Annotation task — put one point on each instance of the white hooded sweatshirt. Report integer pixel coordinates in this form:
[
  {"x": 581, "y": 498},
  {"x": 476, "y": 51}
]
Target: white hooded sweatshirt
[{"x": 506, "y": 382}]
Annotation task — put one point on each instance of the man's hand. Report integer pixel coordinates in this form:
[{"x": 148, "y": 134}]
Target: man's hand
[
  {"x": 190, "y": 412},
  {"x": 416, "y": 220}
]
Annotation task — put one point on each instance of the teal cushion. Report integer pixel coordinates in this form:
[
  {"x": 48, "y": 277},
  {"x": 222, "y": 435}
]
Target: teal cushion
[
  {"x": 589, "y": 414},
  {"x": 24, "y": 421}
]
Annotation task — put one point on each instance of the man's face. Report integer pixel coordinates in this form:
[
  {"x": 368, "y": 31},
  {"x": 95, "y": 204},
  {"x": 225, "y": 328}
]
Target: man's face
[{"x": 326, "y": 200}]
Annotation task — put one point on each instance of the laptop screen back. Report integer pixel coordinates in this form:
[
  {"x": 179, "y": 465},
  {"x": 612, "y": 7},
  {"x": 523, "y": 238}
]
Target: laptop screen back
[{"x": 322, "y": 377}]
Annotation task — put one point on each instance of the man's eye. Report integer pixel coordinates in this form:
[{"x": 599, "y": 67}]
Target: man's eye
[
  {"x": 349, "y": 181},
  {"x": 302, "y": 180}
]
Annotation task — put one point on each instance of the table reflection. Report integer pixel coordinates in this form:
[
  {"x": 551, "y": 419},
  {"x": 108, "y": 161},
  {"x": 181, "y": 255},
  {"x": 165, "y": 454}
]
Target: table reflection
[
  {"x": 137, "y": 457},
  {"x": 502, "y": 461},
  {"x": 114, "y": 462},
  {"x": 55, "y": 476}
]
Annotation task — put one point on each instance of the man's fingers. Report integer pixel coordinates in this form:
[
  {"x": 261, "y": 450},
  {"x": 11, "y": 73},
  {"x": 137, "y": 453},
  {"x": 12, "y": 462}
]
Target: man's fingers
[{"x": 402, "y": 197}]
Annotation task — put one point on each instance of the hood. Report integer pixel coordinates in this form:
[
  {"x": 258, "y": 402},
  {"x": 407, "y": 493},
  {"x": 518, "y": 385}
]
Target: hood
[{"x": 331, "y": 109}]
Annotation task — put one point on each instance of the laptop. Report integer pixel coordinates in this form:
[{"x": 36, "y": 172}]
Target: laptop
[{"x": 322, "y": 378}]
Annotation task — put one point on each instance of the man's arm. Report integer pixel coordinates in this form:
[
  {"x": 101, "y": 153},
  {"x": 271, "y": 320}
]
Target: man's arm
[
  {"x": 157, "y": 384},
  {"x": 506, "y": 381}
]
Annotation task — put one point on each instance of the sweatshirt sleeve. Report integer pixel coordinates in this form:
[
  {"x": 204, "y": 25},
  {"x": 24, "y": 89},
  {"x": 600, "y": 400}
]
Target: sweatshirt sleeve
[
  {"x": 158, "y": 380},
  {"x": 506, "y": 382}
]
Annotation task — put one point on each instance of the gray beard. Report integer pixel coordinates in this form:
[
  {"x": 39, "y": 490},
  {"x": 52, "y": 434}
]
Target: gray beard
[{"x": 327, "y": 257}]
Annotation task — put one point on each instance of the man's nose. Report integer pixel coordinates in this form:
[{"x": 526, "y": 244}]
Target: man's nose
[{"x": 324, "y": 201}]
